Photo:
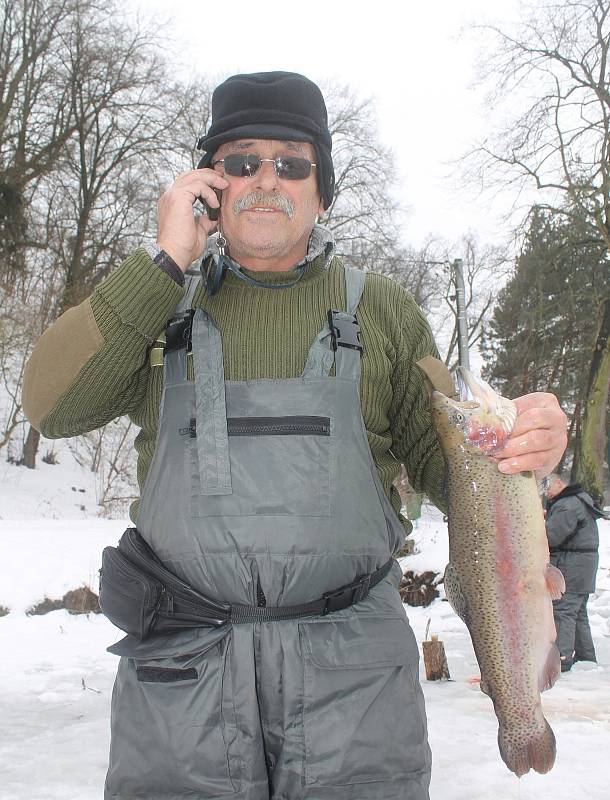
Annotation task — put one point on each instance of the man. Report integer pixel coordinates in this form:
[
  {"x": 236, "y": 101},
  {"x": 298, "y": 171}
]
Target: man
[
  {"x": 267, "y": 454},
  {"x": 571, "y": 527}
]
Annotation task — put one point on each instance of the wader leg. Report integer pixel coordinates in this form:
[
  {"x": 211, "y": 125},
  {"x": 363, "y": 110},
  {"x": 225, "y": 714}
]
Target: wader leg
[
  {"x": 185, "y": 721},
  {"x": 340, "y": 720}
]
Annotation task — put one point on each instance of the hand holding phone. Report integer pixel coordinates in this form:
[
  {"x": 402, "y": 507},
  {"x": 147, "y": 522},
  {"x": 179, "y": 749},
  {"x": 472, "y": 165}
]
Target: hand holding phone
[
  {"x": 212, "y": 212},
  {"x": 180, "y": 232}
]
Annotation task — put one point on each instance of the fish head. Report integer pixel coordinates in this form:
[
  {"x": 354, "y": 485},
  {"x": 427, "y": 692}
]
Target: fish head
[{"x": 480, "y": 420}]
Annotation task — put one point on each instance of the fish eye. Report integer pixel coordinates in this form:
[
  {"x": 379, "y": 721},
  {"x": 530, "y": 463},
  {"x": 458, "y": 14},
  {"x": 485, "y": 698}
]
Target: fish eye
[{"x": 458, "y": 417}]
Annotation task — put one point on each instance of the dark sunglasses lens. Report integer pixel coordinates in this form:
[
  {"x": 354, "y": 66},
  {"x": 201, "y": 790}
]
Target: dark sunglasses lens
[
  {"x": 242, "y": 166},
  {"x": 293, "y": 168},
  {"x": 287, "y": 167}
]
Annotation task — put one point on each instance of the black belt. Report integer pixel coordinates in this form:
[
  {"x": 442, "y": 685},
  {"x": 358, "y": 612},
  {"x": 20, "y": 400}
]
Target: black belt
[
  {"x": 337, "y": 600},
  {"x": 141, "y": 596}
]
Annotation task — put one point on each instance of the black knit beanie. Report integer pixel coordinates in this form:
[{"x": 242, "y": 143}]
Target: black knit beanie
[{"x": 272, "y": 105}]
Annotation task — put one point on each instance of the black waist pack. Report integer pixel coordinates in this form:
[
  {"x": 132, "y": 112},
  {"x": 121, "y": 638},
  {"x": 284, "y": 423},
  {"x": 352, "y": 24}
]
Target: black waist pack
[{"x": 141, "y": 596}]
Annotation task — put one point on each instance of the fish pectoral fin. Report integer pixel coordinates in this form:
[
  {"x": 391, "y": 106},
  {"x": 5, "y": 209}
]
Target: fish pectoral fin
[
  {"x": 485, "y": 687},
  {"x": 555, "y": 582},
  {"x": 551, "y": 669},
  {"x": 454, "y": 592}
]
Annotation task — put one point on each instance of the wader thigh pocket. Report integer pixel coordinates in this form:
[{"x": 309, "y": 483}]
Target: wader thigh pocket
[
  {"x": 173, "y": 726},
  {"x": 363, "y": 714}
]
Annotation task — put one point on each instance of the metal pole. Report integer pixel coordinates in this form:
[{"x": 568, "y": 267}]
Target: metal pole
[{"x": 462, "y": 324}]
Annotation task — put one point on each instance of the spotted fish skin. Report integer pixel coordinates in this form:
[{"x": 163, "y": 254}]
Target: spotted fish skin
[{"x": 498, "y": 578}]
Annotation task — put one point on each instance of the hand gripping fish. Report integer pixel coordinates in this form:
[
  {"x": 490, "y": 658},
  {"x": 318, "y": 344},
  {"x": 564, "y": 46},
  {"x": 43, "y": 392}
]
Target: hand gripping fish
[{"x": 499, "y": 579}]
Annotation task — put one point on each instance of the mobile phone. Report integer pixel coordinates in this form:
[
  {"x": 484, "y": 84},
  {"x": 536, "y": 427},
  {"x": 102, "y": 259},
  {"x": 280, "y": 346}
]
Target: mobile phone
[{"x": 212, "y": 212}]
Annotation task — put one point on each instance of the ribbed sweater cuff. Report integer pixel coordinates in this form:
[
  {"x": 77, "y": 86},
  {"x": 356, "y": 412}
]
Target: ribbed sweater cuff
[{"x": 139, "y": 293}]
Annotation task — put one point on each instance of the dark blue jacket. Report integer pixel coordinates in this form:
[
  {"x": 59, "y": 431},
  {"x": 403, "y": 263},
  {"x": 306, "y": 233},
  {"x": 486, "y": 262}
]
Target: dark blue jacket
[{"x": 571, "y": 528}]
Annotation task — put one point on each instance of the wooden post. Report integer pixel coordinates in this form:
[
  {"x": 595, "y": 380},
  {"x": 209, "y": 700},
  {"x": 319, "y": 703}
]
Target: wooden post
[{"x": 435, "y": 660}]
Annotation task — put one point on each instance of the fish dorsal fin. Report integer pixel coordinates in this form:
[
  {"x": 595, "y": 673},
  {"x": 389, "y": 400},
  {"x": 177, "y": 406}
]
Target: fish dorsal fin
[
  {"x": 555, "y": 581},
  {"x": 437, "y": 375}
]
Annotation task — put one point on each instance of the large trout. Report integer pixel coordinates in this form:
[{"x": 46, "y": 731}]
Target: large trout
[{"x": 499, "y": 579}]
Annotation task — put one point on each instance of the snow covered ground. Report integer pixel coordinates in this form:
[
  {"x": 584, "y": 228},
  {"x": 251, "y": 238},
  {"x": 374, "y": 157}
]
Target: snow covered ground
[{"x": 56, "y": 676}]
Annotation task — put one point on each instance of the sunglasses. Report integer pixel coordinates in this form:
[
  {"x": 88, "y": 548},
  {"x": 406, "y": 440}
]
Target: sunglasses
[{"x": 292, "y": 168}]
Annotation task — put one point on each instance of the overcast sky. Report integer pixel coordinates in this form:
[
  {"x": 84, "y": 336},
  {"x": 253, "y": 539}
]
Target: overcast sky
[{"x": 416, "y": 59}]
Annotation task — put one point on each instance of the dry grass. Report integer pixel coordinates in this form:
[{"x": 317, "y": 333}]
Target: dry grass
[
  {"x": 419, "y": 590},
  {"x": 76, "y": 601}
]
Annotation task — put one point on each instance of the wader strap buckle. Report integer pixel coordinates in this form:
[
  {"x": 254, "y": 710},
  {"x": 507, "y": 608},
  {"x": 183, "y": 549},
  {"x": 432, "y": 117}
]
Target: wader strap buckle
[
  {"x": 178, "y": 332},
  {"x": 344, "y": 330}
]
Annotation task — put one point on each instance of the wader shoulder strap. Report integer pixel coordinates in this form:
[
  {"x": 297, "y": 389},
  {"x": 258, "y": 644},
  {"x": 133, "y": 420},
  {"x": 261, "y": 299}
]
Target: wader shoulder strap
[
  {"x": 178, "y": 328},
  {"x": 210, "y": 409},
  {"x": 192, "y": 279},
  {"x": 346, "y": 338},
  {"x": 173, "y": 346},
  {"x": 339, "y": 340}
]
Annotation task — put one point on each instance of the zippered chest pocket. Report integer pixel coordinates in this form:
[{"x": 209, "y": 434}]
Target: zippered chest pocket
[
  {"x": 279, "y": 465},
  {"x": 278, "y": 426}
]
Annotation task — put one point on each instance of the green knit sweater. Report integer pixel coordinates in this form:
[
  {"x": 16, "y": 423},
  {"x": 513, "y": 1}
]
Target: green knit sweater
[{"x": 265, "y": 334}]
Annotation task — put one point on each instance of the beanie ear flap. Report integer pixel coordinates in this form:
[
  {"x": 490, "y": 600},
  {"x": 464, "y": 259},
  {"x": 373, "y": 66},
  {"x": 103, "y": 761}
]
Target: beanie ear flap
[
  {"x": 325, "y": 175},
  {"x": 205, "y": 160}
]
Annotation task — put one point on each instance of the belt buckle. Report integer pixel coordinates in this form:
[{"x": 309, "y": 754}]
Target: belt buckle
[{"x": 346, "y": 596}]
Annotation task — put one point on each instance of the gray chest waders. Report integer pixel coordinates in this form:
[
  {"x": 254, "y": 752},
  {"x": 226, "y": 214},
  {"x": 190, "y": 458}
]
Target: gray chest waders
[{"x": 264, "y": 493}]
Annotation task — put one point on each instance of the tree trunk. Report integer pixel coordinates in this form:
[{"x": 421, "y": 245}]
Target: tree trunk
[
  {"x": 590, "y": 461},
  {"x": 571, "y": 439},
  {"x": 576, "y": 442},
  {"x": 30, "y": 448}
]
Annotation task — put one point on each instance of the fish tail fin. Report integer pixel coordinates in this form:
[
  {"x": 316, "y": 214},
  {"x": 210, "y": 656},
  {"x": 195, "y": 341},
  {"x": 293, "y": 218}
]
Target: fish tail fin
[{"x": 520, "y": 756}]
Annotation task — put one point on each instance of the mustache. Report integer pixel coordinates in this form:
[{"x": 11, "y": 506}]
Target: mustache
[{"x": 264, "y": 200}]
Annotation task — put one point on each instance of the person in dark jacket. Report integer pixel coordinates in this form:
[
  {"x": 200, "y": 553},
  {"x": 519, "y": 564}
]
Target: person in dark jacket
[{"x": 571, "y": 527}]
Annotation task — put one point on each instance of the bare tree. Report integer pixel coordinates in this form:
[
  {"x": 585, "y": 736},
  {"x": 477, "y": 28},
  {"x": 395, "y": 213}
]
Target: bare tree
[
  {"x": 25, "y": 311},
  {"x": 485, "y": 270},
  {"x": 429, "y": 276},
  {"x": 419, "y": 271},
  {"x": 560, "y": 143},
  {"x": 87, "y": 113},
  {"x": 363, "y": 213},
  {"x": 36, "y": 114},
  {"x": 108, "y": 452},
  {"x": 193, "y": 107},
  {"x": 104, "y": 201}
]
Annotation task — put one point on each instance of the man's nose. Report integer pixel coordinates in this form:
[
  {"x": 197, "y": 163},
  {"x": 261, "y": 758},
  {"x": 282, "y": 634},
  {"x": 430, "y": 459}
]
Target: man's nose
[{"x": 266, "y": 177}]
